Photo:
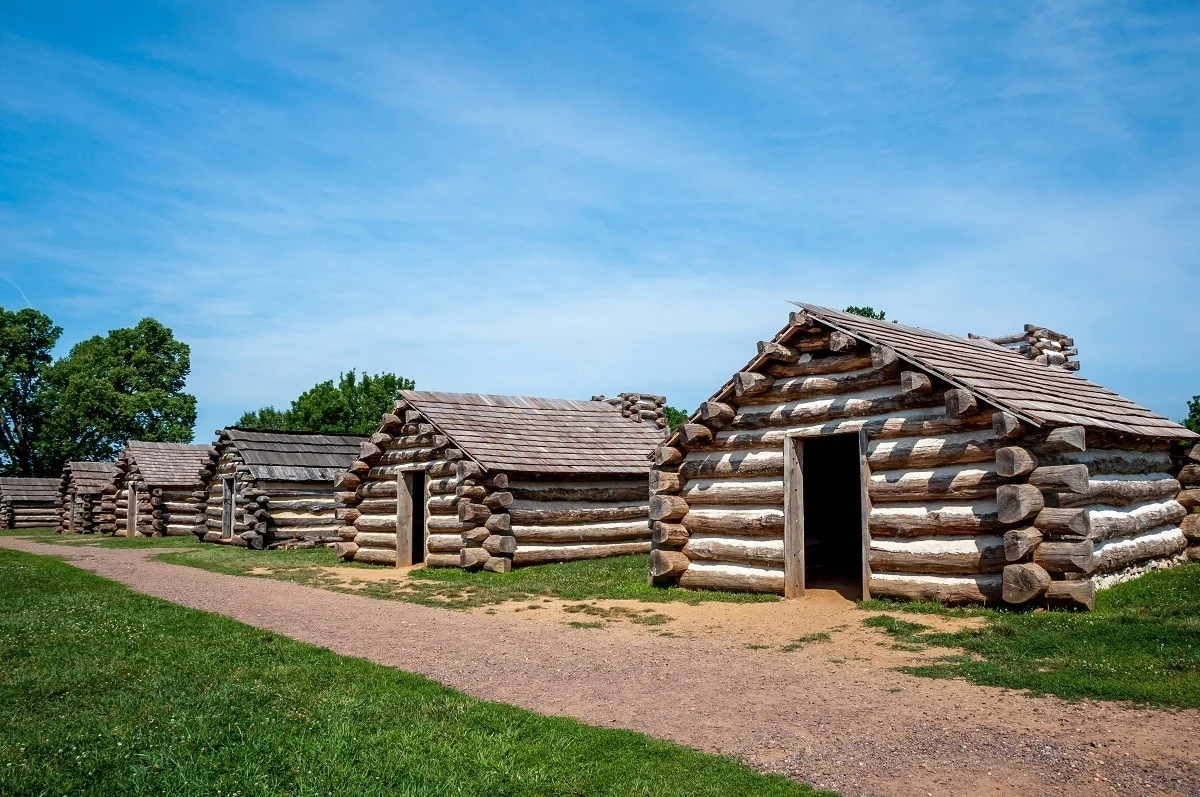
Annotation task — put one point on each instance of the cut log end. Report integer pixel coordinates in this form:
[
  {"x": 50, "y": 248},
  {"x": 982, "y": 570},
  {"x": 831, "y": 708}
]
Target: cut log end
[
  {"x": 1024, "y": 582},
  {"x": 915, "y": 382},
  {"x": 668, "y": 564},
  {"x": 960, "y": 402}
]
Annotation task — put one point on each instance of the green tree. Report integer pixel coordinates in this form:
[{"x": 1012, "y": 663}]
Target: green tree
[
  {"x": 352, "y": 405},
  {"x": 675, "y": 417},
  {"x": 126, "y": 385},
  {"x": 265, "y": 419},
  {"x": 866, "y": 312},
  {"x": 1192, "y": 421},
  {"x": 26, "y": 340}
]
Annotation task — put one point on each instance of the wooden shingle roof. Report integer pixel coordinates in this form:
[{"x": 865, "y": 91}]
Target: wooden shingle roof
[
  {"x": 294, "y": 456},
  {"x": 1046, "y": 395},
  {"x": 168, "y": 464},
  {"x": 20, "y": 489},
  {"x": 537, "y": 435},
  {"x": 90, "y": 478}
]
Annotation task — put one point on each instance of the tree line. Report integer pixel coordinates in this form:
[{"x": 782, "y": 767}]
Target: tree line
[
  {"x": 124, "y": 385},
  {"x": 129, "y": 385}
]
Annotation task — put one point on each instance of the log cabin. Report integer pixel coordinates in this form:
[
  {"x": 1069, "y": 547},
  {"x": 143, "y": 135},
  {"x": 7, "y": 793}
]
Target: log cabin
[
  {"x": 82, "y": 490},
  {"x": 28, "y": 503},
  {"x": 271, "y": 488},
  {"x": 159, "y": 489},
  {"x": 496, "y": 482},
  {"x": 890, "y": 461}
]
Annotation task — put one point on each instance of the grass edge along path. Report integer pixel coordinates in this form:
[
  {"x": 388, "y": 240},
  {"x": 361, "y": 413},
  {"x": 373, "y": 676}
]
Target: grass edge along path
[
  {"x": 1141, "y": 644},
  {"x": 613, "y": 578},
  {"x": 106, "y": 691}
]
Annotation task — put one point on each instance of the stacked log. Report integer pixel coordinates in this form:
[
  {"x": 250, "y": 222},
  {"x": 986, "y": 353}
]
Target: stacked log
[
  {"x": 267, "y": 513},
  {"x": 1108, "y": 512},
  {"x": 1186, "y": 469},
  {"x": 640, "y": 407},
  {"x": 1041, "y": 345},
  {"x": 370, "y": 491},
  {"x": 481, "y": 519},
  {"x": 965, "y": 503},
  {"x": 226, "y": 463}
]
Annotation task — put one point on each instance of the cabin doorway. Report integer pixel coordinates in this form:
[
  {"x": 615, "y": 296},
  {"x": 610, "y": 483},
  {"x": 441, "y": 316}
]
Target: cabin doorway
[
  {"x": 825, "y": 531},
  {"x": 73, "y": 513},
  {"x": 410, "y": 518},
  {"x": 228, "y": 493}
]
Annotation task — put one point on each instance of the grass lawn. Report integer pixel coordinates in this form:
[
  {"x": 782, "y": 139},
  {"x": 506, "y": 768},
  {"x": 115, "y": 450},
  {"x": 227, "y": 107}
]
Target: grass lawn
[
  {"x": 619, "y": 577},
  {"x": 1142, "y": 643},
  {"x": 51, "y": 537},
  {"x": 105, "y": 691}
]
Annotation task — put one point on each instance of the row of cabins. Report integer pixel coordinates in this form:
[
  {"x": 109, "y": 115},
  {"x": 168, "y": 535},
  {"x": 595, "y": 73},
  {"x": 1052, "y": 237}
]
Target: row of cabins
[{"x": 870, "y": 457}]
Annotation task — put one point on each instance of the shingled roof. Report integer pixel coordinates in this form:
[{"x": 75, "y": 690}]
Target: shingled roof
[
  {"x": 90, "y": 478},
  {"x": 28, "y": 490},
  {"x": 538, "y": 435},
  {"x": 294, "y": 456},
  {"x": 168, "y": 464},
  {"x": 1041, "y": 394}
]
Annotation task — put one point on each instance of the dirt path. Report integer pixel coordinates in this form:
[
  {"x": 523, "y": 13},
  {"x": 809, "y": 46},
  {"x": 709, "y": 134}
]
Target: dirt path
[{"x": 831, "y": 712}]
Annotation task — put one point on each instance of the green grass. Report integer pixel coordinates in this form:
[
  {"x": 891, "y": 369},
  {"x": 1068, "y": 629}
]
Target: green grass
[
  {"x": 1142, "y": 643},
  {"x": 615, "y": 578},
  {"x": 50, "y": 537},
  {"x": 105, "y": 691},
  {"x": 804, "y": 641}
]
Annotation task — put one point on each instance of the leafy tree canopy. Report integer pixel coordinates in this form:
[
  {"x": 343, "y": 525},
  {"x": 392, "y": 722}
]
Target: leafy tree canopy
[
  {"x": 26, "y": 339},
  {"x": 352, "y": 405},
  {"x": 675, "y": 417},
  {"x": 866, "y": 312},
  {"x": 126, "y": 385},
  {"x": 1192, "y": 421}
]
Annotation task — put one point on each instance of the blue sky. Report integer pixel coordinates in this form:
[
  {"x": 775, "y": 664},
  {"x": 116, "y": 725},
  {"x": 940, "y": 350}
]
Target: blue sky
[{"x": 573, "y": 198}]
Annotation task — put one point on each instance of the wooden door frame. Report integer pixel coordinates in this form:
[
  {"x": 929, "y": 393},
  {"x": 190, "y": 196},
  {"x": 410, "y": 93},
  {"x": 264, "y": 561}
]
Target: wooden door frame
[
  {"x": 228, "y": 505},
  {"x": 404, "y": 516},
  {"x": 131, "y": 509},
  {"x": 793, "y": 511}
]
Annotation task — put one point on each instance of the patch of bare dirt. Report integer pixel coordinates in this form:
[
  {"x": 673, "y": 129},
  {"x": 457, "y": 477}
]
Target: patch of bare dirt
[{"x": 829, "y": 711}]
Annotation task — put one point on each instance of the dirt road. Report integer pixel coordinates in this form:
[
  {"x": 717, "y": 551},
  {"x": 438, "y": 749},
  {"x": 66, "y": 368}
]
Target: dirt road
[{"x": 832, "y": 712}]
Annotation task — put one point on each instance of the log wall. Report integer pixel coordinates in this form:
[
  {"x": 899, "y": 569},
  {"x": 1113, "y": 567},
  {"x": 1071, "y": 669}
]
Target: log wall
[
  {"x": 958, "y": 493},
  {"x": 16, "y": 514},
  {"x": 161, "y": 511},
  {"x": 267, "y": 513},
  {"x": 488, "y": 520}
]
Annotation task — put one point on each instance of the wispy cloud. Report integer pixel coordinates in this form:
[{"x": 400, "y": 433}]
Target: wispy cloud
[{"x": 563, "y": 203}]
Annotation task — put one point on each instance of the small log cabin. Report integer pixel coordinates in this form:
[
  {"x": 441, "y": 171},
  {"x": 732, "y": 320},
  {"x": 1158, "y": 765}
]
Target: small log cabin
[
  {"x": 266, "y": 488},
  {"x": 28, "y": 503},
  {"x": 160, "y": 489},
  {"x": 886, "y": 460},
  {"x": 82, "y": 491},
  {"x": 493, "y": 482}
]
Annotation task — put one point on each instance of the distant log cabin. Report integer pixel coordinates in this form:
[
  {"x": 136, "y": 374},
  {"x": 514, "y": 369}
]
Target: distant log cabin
[
  {"x": 160, "y": 489},
  {"x": 83, "y": 508},
  {"x": 267, "y": 488},
  {"x": 27, "y": 503},
  {"x": 494, "y": 482},
  {"x": 889, "y": 461}
]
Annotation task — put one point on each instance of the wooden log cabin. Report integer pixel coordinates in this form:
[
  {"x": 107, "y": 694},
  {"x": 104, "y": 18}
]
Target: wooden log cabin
[
  {"x": 891, "y": 461},
  {"x": 496, "y": 482},
  {"x": 82, "y": 508},
  {"x": 270, "y": 488},
  {"x": 160, "y": 489},
  {"x": 28, "y": 503}
]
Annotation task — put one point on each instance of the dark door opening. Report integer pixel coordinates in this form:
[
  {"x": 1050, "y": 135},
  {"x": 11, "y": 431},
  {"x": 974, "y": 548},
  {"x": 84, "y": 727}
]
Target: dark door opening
[
  {"x": 416, "y": 486},
  {"x": 833, "y": 514}
]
